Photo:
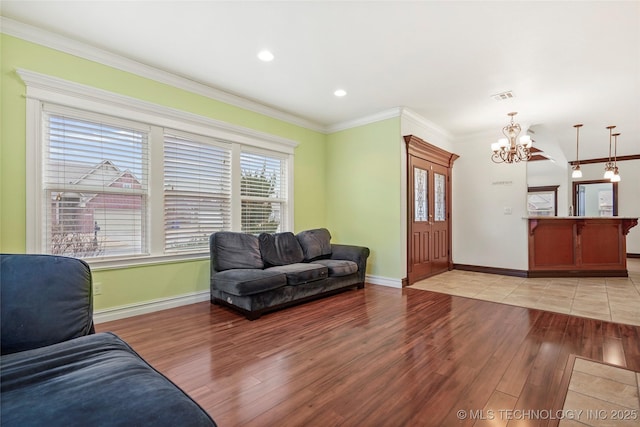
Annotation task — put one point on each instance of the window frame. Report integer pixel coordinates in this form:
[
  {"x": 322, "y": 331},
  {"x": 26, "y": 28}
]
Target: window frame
[
  {"x": 283, "y": 175},
  {"x": 42, "y": 89},
  {"x": 50, "y": 111},
  {"x": 223, "y": 146}
]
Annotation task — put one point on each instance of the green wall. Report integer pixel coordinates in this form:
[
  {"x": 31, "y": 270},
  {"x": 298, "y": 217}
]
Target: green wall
[
  {"x": 121, "y": 287},
  {"x": 348, "y": 181},
  {"x": 364, "y": 192}
]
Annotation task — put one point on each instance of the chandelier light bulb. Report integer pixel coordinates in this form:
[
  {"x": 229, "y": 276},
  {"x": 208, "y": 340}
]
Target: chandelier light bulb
[{"x": 525, "y": 140}]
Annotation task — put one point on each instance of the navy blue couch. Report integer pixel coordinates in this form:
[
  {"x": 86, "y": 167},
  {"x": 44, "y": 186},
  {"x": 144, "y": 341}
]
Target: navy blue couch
[
  {"x": 55, "y": 371},
  {"x": 258, "y": 274}
]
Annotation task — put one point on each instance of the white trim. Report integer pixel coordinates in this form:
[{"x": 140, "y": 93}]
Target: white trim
[
  {"x": 33, "y": 177},
  {"x": 129, "y": 310},
  {"x": 290, "y": 183},
  {"x": 377, "y": 117},
  {"x": 59, "y": 91},
  {"x": 410, "y": 115},
  {"x": 383, "y": 281},
  {"x": 85, "y": 51}
]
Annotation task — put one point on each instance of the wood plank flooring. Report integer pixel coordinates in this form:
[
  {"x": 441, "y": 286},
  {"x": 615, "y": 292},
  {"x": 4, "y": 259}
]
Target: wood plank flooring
[{"x": 375, "y": 357}]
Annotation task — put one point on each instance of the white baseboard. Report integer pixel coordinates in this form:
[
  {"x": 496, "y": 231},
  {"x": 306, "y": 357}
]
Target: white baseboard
[
  {"x": 115, "y": 313},
  {"x": 129, "y": 310},
  {"x": 383, "y": 281}
]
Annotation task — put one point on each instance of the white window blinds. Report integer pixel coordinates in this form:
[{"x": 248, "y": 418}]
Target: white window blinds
[
  {"x": 95, "y": 186},
  {"x": 263, "y": 193},
  {"x": 197, "y": 192}
]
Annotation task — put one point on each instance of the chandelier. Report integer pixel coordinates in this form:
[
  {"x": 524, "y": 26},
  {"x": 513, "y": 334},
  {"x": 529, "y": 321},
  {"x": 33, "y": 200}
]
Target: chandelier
[{"x": 510, "y": 149}]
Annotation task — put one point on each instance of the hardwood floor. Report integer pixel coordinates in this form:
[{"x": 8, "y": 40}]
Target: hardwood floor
[{"x": 375, "y": 357}]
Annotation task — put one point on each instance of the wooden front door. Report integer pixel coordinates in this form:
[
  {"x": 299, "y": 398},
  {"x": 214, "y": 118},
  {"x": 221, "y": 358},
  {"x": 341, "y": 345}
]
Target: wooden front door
[{"x": 428, "y": 210}]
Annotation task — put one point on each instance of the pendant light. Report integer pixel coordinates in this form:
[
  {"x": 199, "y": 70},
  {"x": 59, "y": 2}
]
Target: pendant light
[
  {"x": 616, "y": 175},
  {"x": 577, "y": 173},
  {"x": 608, "y": 167}
]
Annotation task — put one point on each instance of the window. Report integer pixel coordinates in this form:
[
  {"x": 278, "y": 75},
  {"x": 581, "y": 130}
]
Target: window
[
  {"x": 197, "y": 192},
  {"x": 118, "y": 181},
  {"x": 94, "y": 187},
  {"x": 263, "y": 193}
]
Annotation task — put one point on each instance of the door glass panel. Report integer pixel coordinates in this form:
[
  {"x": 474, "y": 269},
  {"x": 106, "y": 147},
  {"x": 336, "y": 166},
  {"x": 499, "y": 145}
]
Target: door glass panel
[
  {"x": 440, "y": 191},
  {"x": 420, "y": 181}
]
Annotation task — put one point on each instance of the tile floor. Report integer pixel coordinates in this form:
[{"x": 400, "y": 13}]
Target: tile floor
[
  {"x": 601, "y": 395},
  {"x": 615, "y": 299}
]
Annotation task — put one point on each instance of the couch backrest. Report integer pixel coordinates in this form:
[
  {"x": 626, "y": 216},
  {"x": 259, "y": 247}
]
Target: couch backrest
[
  {"x": 316, "y": 243},
  {"x": 234, "y": 250},
  {"x": 44, "y": 299},
  {"x": 280, "y": 248}
]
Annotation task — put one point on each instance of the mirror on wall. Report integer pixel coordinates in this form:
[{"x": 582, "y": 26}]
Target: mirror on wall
[
  {"x": 548, "y": 168},
  {"x": 595, "y": 198}
]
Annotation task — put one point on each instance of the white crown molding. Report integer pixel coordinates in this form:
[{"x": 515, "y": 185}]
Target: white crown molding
[
  {"x": 53, "y": 89},
  {"x": 382, "y": 115},
  {"x": 490, "y": 135},
  {"x": 121, "y": 312},
  {"x": 408, "y": 114},
  {"x": 83, "y": 50}
]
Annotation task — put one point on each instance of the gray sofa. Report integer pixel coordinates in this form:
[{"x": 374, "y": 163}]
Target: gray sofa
[
  {"x": 55, "y": 371},
  {"x": 257, "y": 274}
]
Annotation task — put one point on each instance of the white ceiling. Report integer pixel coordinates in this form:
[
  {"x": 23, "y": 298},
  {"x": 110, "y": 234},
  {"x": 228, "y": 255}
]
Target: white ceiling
[{"x": 566, "y": 62}]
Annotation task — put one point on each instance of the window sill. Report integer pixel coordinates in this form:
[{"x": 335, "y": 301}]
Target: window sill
[{"x": 142, "y": 261}]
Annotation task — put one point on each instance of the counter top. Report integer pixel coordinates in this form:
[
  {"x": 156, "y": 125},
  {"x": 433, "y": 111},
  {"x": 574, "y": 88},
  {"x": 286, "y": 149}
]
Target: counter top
[{"x": 579, "y": 217}]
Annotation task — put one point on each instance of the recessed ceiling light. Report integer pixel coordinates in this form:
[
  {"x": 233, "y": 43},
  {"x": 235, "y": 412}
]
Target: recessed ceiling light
[
  {"x": 265, "y": 55},
  {"x": 340, "y": 93}
]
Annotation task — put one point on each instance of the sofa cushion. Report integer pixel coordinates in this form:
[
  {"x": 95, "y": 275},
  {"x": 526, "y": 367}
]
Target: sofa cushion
[
  {"x": 280, "y": 249},
  {"x": 243, "y": 282},
  {"x": 90, "y": 381},
  {"x": 316, "y": 244},
  {"x": 338, "y": 267},
  {"x": 300, "y": 273},
  {"x": 235, "y": 250}
]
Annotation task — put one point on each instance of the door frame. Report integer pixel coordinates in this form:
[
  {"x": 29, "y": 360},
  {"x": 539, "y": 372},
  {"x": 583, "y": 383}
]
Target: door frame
[{"x": 418, "y": 147}]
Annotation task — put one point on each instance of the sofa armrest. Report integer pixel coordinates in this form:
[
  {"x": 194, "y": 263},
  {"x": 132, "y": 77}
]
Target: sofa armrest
[
  {"x": 357, "y": 254},
  {"x": 45, "y": 299}
]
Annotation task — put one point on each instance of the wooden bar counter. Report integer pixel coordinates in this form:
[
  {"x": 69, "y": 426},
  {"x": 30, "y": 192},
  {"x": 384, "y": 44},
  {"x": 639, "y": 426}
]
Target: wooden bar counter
[{"x": 578, "y": 246}]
